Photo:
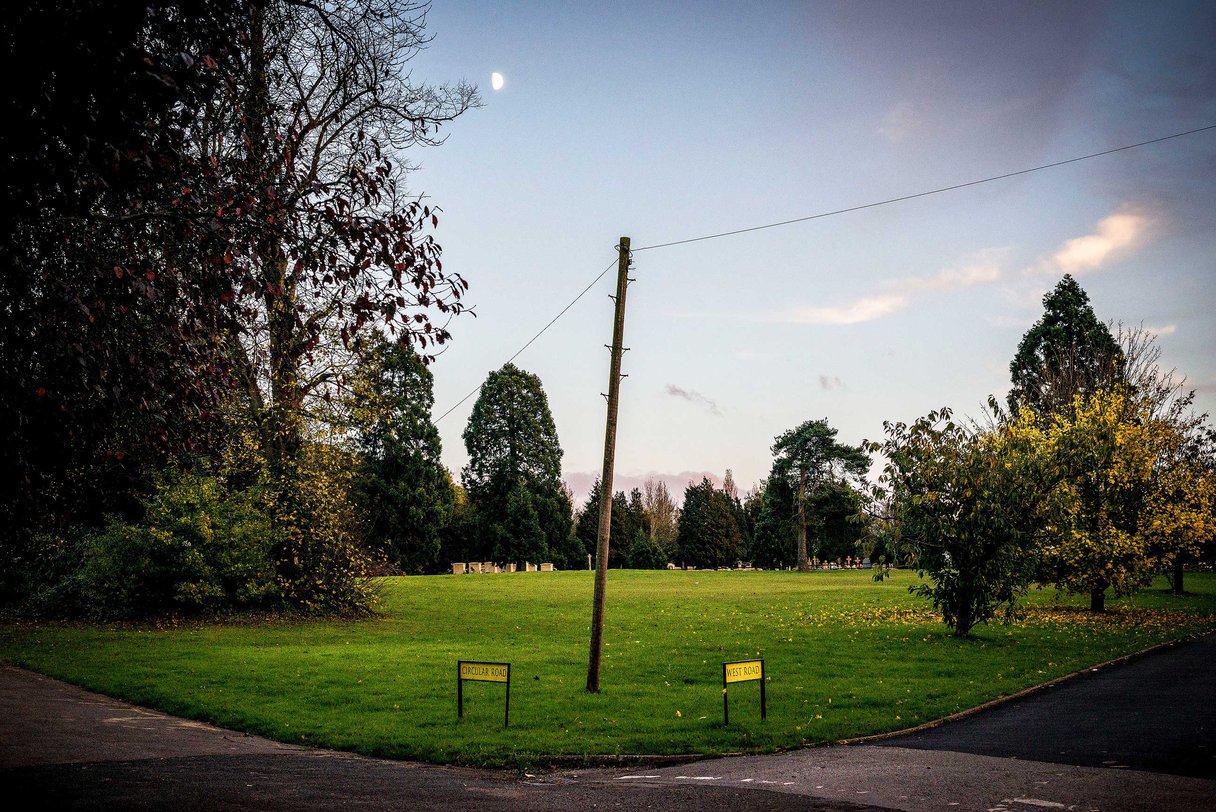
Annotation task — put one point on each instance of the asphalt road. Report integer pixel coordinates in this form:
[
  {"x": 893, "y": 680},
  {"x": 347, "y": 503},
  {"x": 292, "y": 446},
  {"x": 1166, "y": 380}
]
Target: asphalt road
[
  {"x": 63, "y": 747},
  {"x": 1156, "y": 713}
]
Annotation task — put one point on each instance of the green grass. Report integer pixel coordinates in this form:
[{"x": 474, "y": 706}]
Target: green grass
[{"x": 845, "y": 657}]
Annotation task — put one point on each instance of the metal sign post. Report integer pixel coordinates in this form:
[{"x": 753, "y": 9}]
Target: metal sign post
[
  {"x": 742, "y": 671},
  {"x": 475, "y": 671}
]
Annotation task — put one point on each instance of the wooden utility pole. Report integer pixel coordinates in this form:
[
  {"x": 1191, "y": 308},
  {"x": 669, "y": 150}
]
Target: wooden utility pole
[{"x": 614, "y": 388}]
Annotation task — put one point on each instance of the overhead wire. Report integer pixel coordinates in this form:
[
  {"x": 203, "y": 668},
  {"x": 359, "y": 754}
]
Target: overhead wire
[
  {"x": 519, "y": 352},
  {"x": 822, "y": 215},
  {"x": 922, "y": 194}
]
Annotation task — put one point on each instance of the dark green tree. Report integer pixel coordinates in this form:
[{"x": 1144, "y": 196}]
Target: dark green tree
[
  {"x": 808, "y": 457},
  {"x": 774, "y": 537},
  {"x": 588, "y": 526},
  {"x": 404, "y": 492},
  {"x": 646, "y": 555},
  {"x": 708, "y": 534},
  {"x": 512, "y": 444},
  {"x": 1067, "y": 352},
  {"x": 520, "y": 537},
  {"x": 635, "y": 516},
  {"x": 835, "y": 508}
]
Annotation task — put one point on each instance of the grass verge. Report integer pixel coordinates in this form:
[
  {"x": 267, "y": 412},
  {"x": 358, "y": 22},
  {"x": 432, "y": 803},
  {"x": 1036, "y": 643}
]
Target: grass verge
[{"x": 846, "y": 657}]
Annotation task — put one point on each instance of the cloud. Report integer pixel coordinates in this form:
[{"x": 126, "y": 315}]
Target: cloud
[
  {"x": 1167, "y": 330},
  {"x": 866, "y": 309},
  {"x": 870, "y": 308},
  {"x": 1121, "y": 231},
  {"x": 693, "y": 396},
  {"x": 956, "y": 278},
  {"x": 830, "y": 382}
]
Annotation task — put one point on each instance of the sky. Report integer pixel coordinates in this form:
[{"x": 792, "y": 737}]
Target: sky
[{"x": 667, "y": 121}]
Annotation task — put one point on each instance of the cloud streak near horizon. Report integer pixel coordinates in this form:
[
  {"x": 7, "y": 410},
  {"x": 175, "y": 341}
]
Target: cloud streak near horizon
[
  {"x": 695, "y": 397},
  {"x": 870, "y": 308}
]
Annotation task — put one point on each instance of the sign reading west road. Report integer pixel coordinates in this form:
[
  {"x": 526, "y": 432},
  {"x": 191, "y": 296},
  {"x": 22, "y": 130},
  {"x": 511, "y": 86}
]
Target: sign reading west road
[
  {"x": 742, "y": 671},
  {"x": 475, "y": 671}
]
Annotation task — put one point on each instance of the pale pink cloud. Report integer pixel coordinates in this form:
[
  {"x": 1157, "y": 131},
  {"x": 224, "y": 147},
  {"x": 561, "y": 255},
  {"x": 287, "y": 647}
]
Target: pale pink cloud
[
  {"x": 581, "y": 481},
  {"x": 1120, "y": 232}
]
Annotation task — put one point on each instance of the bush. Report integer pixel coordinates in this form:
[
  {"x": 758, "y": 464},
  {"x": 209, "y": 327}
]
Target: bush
[
  {"x": 200, "y": 548},
  {"x": 320, "y": 567}
]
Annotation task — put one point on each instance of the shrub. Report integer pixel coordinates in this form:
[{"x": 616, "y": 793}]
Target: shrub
[{"x": 199, "y": 548}]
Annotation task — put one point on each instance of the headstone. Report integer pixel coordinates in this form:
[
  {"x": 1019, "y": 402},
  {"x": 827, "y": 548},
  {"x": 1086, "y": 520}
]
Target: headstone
[
  {"x": 475, "y": 566},
  {"x": 546, "y": 568},
  {"x": 510, "y": 568},
  {"x": 458, "y": 568}
]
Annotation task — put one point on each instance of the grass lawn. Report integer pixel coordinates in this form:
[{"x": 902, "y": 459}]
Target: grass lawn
[{"x": 845, "y": 657}]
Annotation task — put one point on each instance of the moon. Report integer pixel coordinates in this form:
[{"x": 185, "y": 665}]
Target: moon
[{"x": 497, "y": 80}]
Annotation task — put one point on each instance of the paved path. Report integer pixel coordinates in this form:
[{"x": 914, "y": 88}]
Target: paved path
[{"x": 71, "y": 748}]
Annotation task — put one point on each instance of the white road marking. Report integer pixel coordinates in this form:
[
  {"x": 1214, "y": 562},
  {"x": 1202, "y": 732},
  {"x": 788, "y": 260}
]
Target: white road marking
[
  {"x": 626, "y": 777},
  {"x": 1039, "y": 802}
]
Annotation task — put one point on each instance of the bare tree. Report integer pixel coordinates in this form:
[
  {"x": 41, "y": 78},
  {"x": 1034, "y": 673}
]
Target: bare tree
[{"x": 661, "y": 514}]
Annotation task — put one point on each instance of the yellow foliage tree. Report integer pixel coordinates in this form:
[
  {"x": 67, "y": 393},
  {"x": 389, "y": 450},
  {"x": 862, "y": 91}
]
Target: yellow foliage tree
[{"x": 1129, "y": 498}]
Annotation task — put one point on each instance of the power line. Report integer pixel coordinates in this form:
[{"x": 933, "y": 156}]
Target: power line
[
  {"x": 821, "y": 215},
  {"x": 519, "y": 352}
]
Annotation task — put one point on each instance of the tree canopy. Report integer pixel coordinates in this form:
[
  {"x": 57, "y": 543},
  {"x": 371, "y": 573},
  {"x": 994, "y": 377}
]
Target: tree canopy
[
  {"x": 709, "y": 533},
  {"x": 1131, "y": 498},
  {"x": 1067, "y": 352},
  {"x": 515, "y": 462},
  {"x": 210, "y": 210},
  {"x": 405, "y": 493},
  {"x": 970, "y": 510},
  {"x": 807, "y": 457}
]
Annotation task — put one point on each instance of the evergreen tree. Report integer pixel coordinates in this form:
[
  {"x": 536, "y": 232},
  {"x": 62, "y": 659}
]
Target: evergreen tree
[
  {"x": 774, "y": 538},
  {"x": 1067, "y": 352},
  {"x": 512, "y": 444},
  {"x": 405, "y": 494},
  {"x": 588, "y": 527},
  {"x": 645, "y": 555},
  {"x": 519, "y": 536},
  {"x": 708, "y": 534}
]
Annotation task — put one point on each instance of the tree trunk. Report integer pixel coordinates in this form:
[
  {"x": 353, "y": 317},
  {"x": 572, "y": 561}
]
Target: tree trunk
[
  {"x": 1179, "y": 569},
  {"x": 1097, "y": 600},
  {"x": 803, "y": 564}
]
